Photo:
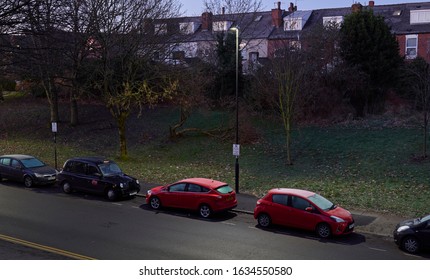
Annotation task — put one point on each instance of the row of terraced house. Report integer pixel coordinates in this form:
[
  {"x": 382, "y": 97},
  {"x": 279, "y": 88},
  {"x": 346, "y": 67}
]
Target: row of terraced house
[{"x": 263, "y": 33}]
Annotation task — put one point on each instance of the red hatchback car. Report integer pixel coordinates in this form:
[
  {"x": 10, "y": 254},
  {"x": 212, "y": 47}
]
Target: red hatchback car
[
  {"x": 200, "y": 194},
  {"x": 305, "y": 210}
]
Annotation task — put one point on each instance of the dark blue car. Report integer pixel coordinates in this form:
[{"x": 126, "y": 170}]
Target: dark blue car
[{"x": 27, "y": 169}]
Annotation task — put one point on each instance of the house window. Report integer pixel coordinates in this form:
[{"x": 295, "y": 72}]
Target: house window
[
  {"x": 295, "y": 45},
  {"x": 411, "y": 46},
  {"x": 161, "y": 29},
  {"x": 221, "y": 25},
  {"x": 333, "y": 21},
  {"x": 253, "y": 57},
  {"x": 178, "y": 55},
  {"x": 420, "y": 16}
]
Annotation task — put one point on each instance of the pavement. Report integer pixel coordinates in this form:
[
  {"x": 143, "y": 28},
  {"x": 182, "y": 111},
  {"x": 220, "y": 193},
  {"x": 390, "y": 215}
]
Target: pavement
[{"x": 369, "y": 222}]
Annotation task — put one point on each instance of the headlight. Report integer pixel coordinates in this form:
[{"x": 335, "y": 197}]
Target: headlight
[
  {"x": 337, "y": 219},
  {"x": 149, "y": 192},
  {"x": 402, "y": 228},
  {"x": 38, "y": 175},
  {"x": 121, "y": 185},
  {"x": 137, "y": 182}
]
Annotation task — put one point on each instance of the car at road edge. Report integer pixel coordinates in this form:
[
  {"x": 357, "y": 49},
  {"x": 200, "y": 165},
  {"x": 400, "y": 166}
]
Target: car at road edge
[
  {"x": 198, "y": 194},
  {"x": 413, "y": 235},
  {"x": 97, "y": 175},
  {"x": 27, "y": 169},
  {"x": 305, "y": 210}
]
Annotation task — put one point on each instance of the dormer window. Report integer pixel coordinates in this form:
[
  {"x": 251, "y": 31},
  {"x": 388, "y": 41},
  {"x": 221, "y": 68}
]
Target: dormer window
[
  {"x": 221, "y": 25},
  {"x": 332, "y": 21},
  {"x": 296, "y": 20},
  {"x": 420, "y": 16},
  {"x": 187, "y": 27}
]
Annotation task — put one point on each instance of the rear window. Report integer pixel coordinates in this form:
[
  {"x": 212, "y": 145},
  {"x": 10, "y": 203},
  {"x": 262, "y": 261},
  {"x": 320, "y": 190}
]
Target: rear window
[{"x": 224, "y": 189}]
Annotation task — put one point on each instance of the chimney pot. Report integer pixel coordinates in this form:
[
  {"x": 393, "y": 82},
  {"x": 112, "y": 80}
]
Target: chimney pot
[{"x": 371, "y": 4}]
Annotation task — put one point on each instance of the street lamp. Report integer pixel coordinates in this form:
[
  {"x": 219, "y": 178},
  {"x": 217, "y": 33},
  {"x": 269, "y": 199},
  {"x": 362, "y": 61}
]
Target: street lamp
[{"x": 236, "y": 146}]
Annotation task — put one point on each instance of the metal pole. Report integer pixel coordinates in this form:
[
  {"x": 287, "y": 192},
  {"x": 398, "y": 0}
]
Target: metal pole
[{"x": 237, "y": 109}]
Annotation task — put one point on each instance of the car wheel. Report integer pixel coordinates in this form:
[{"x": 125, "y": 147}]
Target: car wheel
[
  {"x": 111, "y": 194},
  {"x": 155, "y": 203},
  {"x": 205, "y": 211},
  {"x": 264, "y": 220},
  {"x": 66, "y": 187},
  {"x": 323, "y": 230},
  {"x": 28, "y": 181},
  {"x": 411, "y": 244}
]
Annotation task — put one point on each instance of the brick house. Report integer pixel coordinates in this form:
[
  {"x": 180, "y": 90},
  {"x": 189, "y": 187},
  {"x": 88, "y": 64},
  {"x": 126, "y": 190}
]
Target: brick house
[{"x": 263, "y": 33}]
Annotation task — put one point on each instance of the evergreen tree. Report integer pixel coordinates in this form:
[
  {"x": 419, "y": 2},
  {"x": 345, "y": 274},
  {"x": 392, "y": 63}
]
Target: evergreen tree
[{"x": 367, "y": 44}]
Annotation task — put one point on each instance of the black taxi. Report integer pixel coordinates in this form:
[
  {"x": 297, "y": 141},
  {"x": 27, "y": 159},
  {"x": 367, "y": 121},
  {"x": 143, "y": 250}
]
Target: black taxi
[{"x": 97, "y": 175}]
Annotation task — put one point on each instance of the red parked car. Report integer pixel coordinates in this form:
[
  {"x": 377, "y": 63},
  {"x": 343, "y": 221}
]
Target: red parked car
[
  {"x": 203, "y": 195},
  {"x": 305, "y": 210}
]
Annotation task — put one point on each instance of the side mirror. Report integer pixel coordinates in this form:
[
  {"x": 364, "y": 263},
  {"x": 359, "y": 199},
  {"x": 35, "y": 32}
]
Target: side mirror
[{"x": 309, "y": 209}]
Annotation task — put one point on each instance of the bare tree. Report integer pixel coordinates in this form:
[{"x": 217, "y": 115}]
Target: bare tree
[
  {"x": 42, "y": 48},
  {"x": 233, "y": 6},
  {"x": 417, "y": 77},
  {"x": 127, "y": 37}
]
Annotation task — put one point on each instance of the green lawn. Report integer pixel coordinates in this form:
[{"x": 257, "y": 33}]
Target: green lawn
[{"x": 365, "y": 165}]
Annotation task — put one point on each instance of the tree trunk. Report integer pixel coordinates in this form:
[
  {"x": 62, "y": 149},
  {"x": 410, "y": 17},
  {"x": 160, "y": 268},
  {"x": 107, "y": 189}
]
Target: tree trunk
[
  {"x": 74, "y": 120},
  {"x": 54, "y": 106},
  {"x": 425, "y": 134},
  {"x": 121, "y": 120}
]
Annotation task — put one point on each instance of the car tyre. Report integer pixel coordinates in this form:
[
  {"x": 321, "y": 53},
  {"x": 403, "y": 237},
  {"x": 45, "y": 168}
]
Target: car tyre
[
  {"x": 66, "y": 187},
  {"x": 323, "y": 230},
  {"x": 111, "y": 194},
  {"x": 28, "y": 181},
  {"x": 155, "y": 203},
  {"x": 264, "y": 220},
  {"x": 205, "y": 211},
  {"x": 411, "y": 244}
]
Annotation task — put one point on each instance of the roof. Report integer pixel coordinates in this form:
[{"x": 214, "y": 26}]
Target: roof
[
  {"x": 208, "y": 183},
  {"x": 95, "y": 160},
  {"x": 18, "y": 156},
  {"x": 298, "y": 192}
]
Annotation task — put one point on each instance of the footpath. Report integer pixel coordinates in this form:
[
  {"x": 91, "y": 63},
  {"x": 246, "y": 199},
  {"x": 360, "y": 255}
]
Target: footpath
[{"x": 381, "y": 224}]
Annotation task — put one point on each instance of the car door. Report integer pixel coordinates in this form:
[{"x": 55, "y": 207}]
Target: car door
[
  {"x": 77, "y": 176},
  {"x": 173, "y": 196},
  {"x": 5, "y": 167},
  {"x": 91, "y": 181},
  {"x": 15, "y": 170},
  {"x": 192, "y": 197},
  {"x": 279, "y": 210},
  {"x": 424, "y": 235},
  {"x": 300, "y": 216}
]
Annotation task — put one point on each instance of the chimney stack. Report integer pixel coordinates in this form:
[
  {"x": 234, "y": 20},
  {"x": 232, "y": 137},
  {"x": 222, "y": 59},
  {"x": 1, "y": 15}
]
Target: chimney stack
[
  {"x": 207, "y": 21},
  {"x": 277, "y": 16},
  {"x": 356, "y": 7},
  {"x": 291, "y": 8},
  {"x": 371, "y": 4}
]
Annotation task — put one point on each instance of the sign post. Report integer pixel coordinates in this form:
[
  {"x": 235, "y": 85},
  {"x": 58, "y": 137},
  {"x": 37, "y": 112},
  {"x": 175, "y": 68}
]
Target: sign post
[{"x": 54, "y": 130}]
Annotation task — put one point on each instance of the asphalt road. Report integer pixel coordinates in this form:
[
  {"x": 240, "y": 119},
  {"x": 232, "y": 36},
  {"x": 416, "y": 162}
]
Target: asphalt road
[{"x": 61, "y": 226}]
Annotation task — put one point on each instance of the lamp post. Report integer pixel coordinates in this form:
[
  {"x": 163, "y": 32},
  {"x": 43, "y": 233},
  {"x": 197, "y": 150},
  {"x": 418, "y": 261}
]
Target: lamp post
[{"x": 236, "y": 146}]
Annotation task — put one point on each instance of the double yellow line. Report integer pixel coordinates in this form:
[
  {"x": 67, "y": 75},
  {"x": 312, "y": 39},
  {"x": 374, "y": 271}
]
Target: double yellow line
[{"x": 44, "y": 248}]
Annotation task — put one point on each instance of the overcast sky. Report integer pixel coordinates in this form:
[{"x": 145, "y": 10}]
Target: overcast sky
[{"x": 195, "y": 7}]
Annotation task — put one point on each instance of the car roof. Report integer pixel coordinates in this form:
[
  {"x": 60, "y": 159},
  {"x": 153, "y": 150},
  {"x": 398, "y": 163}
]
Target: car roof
[
  {"x": 298, "y": 192},
  {"x": 96, "y": 160},
  {"x": 17, "y": 156},
  {"x": 204, "y": 182}
]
